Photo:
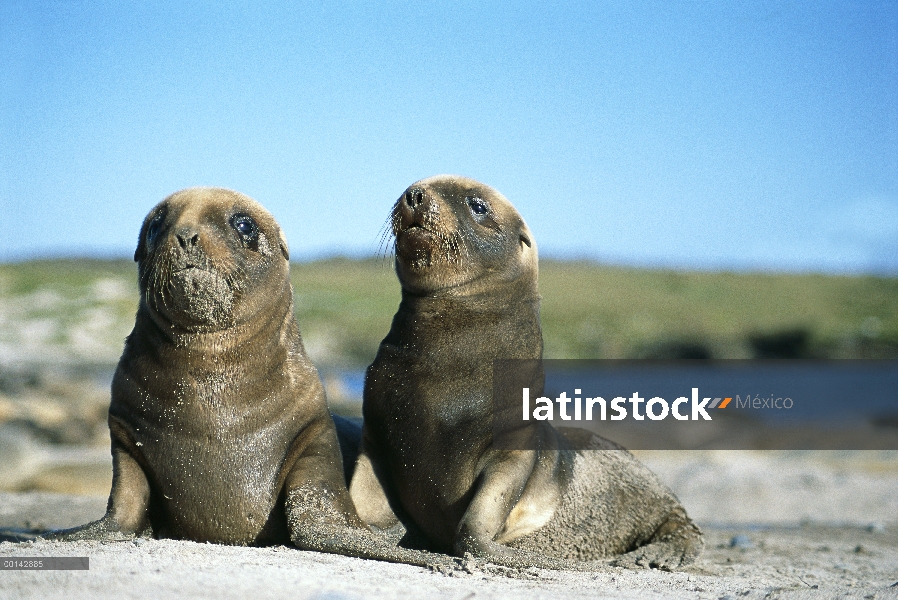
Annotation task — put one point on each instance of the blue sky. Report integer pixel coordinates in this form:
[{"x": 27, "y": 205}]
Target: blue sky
[{"x": 722, "y": 135}]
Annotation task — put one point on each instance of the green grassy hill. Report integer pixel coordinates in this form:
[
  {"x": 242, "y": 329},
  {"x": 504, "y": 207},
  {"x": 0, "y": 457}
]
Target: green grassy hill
[{"x": 81, "y": 310}]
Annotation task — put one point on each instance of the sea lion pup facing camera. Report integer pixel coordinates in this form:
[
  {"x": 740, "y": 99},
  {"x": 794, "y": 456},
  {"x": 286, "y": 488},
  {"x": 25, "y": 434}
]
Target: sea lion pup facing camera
[
  {"x": 429, "y": 462},
  {"x": 220, "y": 430}
]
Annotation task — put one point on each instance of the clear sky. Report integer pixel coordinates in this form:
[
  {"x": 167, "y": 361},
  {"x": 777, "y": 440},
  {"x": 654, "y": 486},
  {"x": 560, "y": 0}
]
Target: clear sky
[{"x": 731, "y": 135}]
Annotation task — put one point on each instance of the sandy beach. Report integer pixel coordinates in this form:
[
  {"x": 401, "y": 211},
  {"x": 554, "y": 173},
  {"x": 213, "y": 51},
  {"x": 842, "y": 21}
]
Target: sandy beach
[{"x": 777, "y": 525}]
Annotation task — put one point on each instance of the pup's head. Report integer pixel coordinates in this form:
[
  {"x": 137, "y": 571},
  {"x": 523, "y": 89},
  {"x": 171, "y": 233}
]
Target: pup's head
[
  {"x": 455, "y": 236},
  {"x": 210, "y": 258}
]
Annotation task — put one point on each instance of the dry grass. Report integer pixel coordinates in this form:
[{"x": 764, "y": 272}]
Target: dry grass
[{"x": 81, "y": 310}]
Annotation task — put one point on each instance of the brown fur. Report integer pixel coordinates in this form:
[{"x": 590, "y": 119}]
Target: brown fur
[
  {"x": 220, "y": 430},
  {"x": 467, "y": 263}
]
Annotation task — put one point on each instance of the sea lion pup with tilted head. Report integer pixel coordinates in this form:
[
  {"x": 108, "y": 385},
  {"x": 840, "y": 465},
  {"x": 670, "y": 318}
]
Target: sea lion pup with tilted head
[
  {"x": 220, "y": 430},
  {"x": 428, "y": 462}
]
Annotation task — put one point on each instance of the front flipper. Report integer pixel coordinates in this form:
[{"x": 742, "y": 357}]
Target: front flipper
[
  {"x": 321, "y": 515},
  {"x": 127, "y": 513},
  {"x": 377, "y": 505},
  {"x": 318, "y": 523}
]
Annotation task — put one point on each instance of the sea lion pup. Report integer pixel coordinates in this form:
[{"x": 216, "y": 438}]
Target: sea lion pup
[
  {"x": 220, "y": 430},
  {"x": 468, "y": 267}
]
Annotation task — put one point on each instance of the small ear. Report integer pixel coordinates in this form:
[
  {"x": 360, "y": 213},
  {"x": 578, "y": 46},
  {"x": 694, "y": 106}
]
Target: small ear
[
  {"x": 140, "y": 243},
  {"x": 525, "y": 239},
  {"x": 283, "y": 244}
]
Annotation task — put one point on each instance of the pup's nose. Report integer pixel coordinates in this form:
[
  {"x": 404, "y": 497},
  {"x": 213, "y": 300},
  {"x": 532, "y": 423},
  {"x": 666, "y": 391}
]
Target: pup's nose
[
  {"x": 416, "y": 198},
  {"x": 187, "y": 237}
]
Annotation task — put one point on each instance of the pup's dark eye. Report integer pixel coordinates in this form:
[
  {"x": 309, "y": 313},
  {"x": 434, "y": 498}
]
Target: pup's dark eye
[
  {"x": 478, "y": 206},
  {"x": 154, "y": 227},
  {"x": 245, "y": 226}
]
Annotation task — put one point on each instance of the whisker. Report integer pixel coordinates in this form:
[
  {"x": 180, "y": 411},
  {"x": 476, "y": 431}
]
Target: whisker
[{"x": 386, "y": 246}]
